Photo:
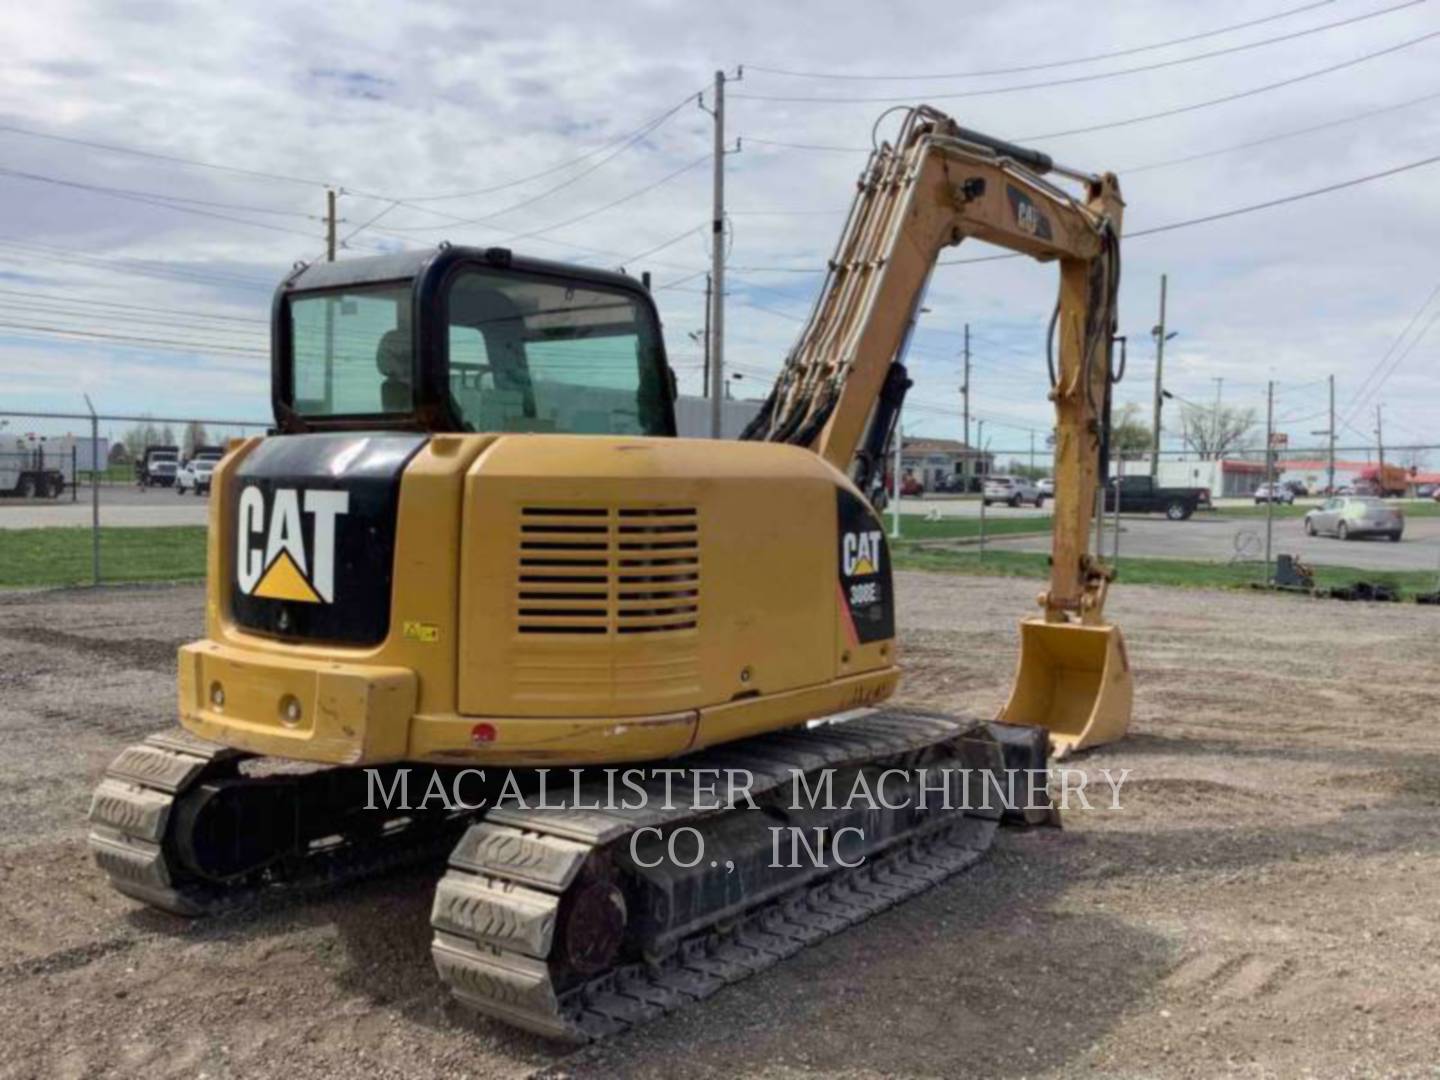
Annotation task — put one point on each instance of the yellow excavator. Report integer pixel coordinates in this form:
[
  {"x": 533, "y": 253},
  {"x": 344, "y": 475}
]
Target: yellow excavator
[{"x": 473, "y": 596}]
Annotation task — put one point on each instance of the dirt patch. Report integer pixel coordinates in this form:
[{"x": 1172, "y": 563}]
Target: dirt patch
[{"x": 1263, "y": 903}]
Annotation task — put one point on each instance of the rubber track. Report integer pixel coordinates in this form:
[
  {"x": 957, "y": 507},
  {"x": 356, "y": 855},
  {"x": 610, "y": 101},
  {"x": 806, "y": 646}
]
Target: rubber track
[
  {"x": 495, "y": 909},
  {"x": 131, "y": 841}
]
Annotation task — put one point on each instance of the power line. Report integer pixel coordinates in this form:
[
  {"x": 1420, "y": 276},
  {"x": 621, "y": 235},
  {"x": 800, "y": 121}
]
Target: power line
[
  {"x": 1124, "y": 170},
  {"x": 174, "y": 159},
  {"x": 613, "y": 203},
  {"x": 21, "y": 310},
  {"x": 642, "y": 130},
  {"x": 180, "y": 159},
  {"x": 145, "y": 268},
  {"x": 189, "y": 345},
  {"x": 1154, "y": 229},
  {"x": 662, "y": 246},
  {"x": 1048, "y": 64},
  {"x": 88, "y": 302},
  {"x": 452, "y": 219},
  {"x": 1092, "y": 77},
  {"x": 1364, "y": 396},
  {"x": 118, "y": 193},
  {"x": 1253, "y": 91},
  {"x": 1277, "y": 137},
  {"x": 1283, "y": 200}
]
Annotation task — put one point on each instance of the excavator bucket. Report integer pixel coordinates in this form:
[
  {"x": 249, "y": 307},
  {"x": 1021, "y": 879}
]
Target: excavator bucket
[{"x": 1074, "y": 681}]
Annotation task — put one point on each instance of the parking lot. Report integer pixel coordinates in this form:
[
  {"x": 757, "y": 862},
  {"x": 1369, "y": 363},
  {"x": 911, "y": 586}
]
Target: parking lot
[
  {"x": 123, "y": 505},
  {"x": 1219, "y": 537}
]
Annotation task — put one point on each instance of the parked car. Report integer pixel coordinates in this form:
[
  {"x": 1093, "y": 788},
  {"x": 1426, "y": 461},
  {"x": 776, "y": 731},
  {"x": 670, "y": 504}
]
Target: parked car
[
  {"x": 194, "y": 475},
  {"x": 1047, "y": 487},
  {"x": 1141, "y": 495},
  {"x": 1348, "y": 516},
  {"x": 1297, "y": 488},
  {"x": 1427, "y": 491},
  {"x": 1011, "y": 490},
  {"x": 1276, "y": 493}
]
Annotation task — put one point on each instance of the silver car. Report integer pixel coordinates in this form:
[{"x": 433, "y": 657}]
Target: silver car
[
  {"x": 1011, "y": 490},
  {"x": 1348, "y": 516}
]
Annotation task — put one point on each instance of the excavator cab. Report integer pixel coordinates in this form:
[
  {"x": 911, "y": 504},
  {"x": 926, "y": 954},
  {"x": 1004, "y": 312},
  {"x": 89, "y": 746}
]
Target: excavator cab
[{"x": 469, "y": 340}]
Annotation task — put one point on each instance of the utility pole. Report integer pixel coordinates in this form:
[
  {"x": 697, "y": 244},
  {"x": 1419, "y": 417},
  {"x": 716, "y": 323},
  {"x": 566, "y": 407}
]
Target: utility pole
[
  {"x": 1159, "y": 371},
  {"x": 1380, "y": 449},
  {"x": 1330, "y": 458},
  {"x": 717, "y": 265},
  {"x": 1329, "y": 434},
  {"x": 965, "y": 392},
  {"x": 705, "y": 382},
  {"x": 329, "y": 224},
  {"x": 1215, "y": 426},
  {"x": 1032, "y": 455},
  {"x": 1269, "y": 476}
]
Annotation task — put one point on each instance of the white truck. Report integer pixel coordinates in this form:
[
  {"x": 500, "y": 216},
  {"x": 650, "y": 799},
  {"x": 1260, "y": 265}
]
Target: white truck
[
  {"x": 29, "y": 469},
  {"x": 157, "y": 466}
]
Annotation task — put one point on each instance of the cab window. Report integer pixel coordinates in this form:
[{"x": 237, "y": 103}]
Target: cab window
[{"x": 532, "y": 353}]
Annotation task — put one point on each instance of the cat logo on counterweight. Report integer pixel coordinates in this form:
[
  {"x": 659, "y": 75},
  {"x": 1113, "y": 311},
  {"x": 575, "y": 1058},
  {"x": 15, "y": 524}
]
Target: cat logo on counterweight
[{"x": 272, "y": 558}]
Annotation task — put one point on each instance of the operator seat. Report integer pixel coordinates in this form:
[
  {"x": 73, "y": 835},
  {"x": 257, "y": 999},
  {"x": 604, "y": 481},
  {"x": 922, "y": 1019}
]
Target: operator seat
[{"x": 394, "y": 358}]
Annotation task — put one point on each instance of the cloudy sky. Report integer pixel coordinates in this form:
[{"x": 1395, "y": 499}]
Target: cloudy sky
[{"x": 162, "y": 165}]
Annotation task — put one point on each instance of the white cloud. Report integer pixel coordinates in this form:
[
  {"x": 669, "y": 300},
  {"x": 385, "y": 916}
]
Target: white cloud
[{"x": 422, "y": 98}]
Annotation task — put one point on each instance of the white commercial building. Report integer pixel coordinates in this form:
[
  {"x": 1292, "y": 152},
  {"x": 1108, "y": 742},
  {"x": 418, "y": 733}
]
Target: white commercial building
[{"x": 692, "y": 417}]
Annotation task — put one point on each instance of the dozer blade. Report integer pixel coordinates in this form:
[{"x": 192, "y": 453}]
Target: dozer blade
[{"x": 1074, "y": 681}]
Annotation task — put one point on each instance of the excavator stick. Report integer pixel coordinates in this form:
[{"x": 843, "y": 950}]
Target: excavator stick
[
  {"x": 938, "y": 185},
  {"x": 1074, "y": 681}
]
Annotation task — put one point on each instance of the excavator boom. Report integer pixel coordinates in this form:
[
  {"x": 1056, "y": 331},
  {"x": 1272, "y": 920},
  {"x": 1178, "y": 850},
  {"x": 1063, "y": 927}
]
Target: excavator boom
[{"x": 841, "y": 386}]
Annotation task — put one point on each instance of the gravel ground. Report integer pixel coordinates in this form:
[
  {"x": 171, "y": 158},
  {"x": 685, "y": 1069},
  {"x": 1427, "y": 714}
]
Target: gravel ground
[{"x": 1264, "y": 904}]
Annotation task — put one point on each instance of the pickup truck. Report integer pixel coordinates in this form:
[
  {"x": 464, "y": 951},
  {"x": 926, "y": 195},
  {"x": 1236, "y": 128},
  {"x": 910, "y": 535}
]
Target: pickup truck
[
  {"x": 157, "y": 466},
  {"x": 1141, "y": 495}
]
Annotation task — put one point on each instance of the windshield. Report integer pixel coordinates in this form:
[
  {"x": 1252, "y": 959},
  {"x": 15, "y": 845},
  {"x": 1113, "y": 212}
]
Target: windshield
[
  {"x": 531, "y": 353},
  {"x": 350, "y": 351}
]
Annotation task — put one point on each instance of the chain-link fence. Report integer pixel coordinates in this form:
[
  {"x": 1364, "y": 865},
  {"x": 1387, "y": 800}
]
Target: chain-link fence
[
  {"x": 86, "y": 499},
  {"x": 92, "y": 497}
]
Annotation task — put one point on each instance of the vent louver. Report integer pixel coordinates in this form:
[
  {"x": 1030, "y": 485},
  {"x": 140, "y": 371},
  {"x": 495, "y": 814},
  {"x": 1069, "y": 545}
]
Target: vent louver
[{"x": 617, "y": 570}]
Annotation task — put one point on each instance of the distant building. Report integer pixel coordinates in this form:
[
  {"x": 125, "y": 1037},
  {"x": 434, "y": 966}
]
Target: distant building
[
  {"x": 1314, "y": 473},
  {"x": 692, "y": 417},
  {"x": 1225, "y": 478},
  {"x": 934, "y": 460}
]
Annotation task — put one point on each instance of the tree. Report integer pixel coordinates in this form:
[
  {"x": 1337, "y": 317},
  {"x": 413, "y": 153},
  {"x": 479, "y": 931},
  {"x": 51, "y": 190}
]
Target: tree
[
  {"x": 1214, "y": 432},
  {"x": 138, "y": 437},
  {"x": 1128, "y": 433},
  {"x": 195, "y": 437},
  {"x": 119, "y": 454}
]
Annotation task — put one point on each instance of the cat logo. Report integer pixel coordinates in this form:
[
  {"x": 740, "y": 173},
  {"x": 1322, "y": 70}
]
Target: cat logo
[
  {"x": 860, "y": 553},
  {"x": 280, "y": 569},
  {"x": 1028, "y": 218}
]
